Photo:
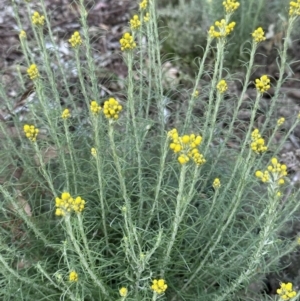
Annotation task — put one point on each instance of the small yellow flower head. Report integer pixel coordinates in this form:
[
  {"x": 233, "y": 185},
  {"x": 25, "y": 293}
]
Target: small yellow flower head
[
  {"x": 224, "y": 29},
  {"x": 22, "y": 34},
  {"x": 280, "y": 121},
  {"x": 286, "y": 291},
  {"x": 262, "y": 84},
  {"x": 230, "y": 6},
  {"x": 30, "y": 132},
  {"x": 95, "y": 108},
  {"x": 66, "y": 204},
  {"x": 73, "y": 277},
  {"x": 196, "y": 93},
  {"x": 274, "y": 173},
  {"x": 298, "y": 240},
  {"x": 143, "y": 4},
  {"x": 258, "y": 35},
  {"x": 263, "y": 176},
  {"x": 258, "y": 143},
  {"x": 186, "y": 147},
  {"x": 146, "y": 17},
  {"x": 222, "y": 86},
  {"x": 294, "y": 8},
  {"x": 75, "y": 39},
  {"x": 123, "y": 291},
  {"x": 112, "y": 108},
  {"x": 216, "y": 183},
  {"x": 127, "y": 42},
  {"x": 37, "y": 19},
  {"x": 66, "y": 114},
  {"x": 159, "y": 286},
  {"x": 33, "y": 72},
  {"x": 93, "y": 152},
  {"x": 135, "y": 22}
]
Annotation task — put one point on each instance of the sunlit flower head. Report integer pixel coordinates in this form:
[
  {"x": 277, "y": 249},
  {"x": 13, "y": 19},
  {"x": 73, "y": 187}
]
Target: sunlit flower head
[
  {"x": 258, "y": 35},
  {"x": 112, "y": 108},
  {"x": 66, "y": 114},
  {"x": 262, "y": 84},
  {"x": 159, "y": 286},
  {"x": 37, "y": 19},
  {"x": 73, "y": 276},
  {"x": 135, "y": 22},
  {"x": 75, "y": 39},
  {"x": 31, "y": 132},
  {"x": 127, "y": 42},
  {"x": 123, "y": 291},
  {"x": 222, "y": 86},
  {"x": 143, "y": 5},
  {"x": 294, "y": 8},
  {"x": 224, "y": 29},
  {"x": 22, "y": 34},
  {"x": 230, "y": 6},
  {"x": 286, "y": 291},
  {"x": 33, "y": 72},
  {"x": 258, "y": 143}
]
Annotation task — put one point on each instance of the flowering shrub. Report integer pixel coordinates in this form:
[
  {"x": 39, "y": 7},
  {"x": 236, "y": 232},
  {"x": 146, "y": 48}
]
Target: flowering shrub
[{"x": 113, "y": 202}]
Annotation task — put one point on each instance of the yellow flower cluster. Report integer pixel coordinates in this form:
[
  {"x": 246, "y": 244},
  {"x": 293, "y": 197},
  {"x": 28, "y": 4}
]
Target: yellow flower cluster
[
  {"x": 93, "y": 152},
  {"x": 159, "y": 286},
  {"x": 224, "y": 29},
  {"x": 294, "y": 8},
  {"x": 230, "y": 6},
  {"x": 66, "y": 114},
  {"x": 112, "y": 108},
  {"x": 262, "y": 84},
  {"x": 95, "y": 108},
  {"x": 75, "y": 39},
  {"x": 73, "y": 277},
  {"x": 222, "y": 86},
  {"x": 280, "y": 121},
  {"x": 123, "y": 291},
  {"x": 216, "y": 183},
  {"x": 135, "y": 22},
  {"x": 127, "y": 42},
  {"x": 147, "y": 17},
  {"x": 258, "y": 35},
  {"x": 258, "y": 143},
  {"x": 22, "y": 34},
  {"x": 274, "y": 173},
  {"x": 196, "y": 93},
  {"x": 286, "y": 291},
  {"x": 37, "y": 19},
  {"x": 143, "y": 4},
  {"x": 67, "y": 204},
  {"x": 33, "y": 72},
  {"x": 187, "y": 147},
  {"x": 31, "y": 132}
]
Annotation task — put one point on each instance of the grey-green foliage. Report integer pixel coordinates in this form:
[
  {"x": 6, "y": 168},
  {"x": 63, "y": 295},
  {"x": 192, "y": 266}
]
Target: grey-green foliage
[{"x": 146, "y": 216}]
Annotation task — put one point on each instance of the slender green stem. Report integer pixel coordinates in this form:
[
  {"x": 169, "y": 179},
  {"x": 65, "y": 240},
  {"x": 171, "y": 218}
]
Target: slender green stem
[
  {"x": 175, "y": 225},
  {"x": 82, "y": 259},
  {"x": 99, "y": 163},
  {"x": 159, "y": 182},
  {"x": 71, "y": 150},
  {"x": 283, "y": 60},
  {"x": 83, "y": 236},
  {"x": 130, "y": 97},
  {"x": 199, "y": 75}
]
